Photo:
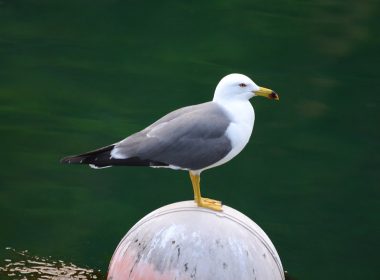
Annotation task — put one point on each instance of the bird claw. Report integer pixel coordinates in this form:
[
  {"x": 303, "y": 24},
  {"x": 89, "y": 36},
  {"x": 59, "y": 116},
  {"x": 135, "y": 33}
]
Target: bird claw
[{"x": 210, "y": 204}]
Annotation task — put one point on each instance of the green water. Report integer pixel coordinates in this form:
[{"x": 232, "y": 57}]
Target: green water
[{"x": 77, "y": 75}]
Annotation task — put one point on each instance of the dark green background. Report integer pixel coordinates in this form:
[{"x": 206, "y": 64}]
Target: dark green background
[{"x": 77, "y": 75}]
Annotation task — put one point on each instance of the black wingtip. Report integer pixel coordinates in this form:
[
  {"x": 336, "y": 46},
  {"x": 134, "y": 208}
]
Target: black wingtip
[{"x": 87, "y": 158}]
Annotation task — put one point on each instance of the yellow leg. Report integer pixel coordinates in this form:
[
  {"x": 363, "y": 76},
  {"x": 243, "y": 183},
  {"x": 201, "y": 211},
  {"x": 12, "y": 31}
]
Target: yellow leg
[{"x": 201, "y": 201}]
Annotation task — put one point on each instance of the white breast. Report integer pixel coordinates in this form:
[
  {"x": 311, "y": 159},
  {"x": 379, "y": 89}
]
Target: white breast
[{"x": 239, "y": 131}]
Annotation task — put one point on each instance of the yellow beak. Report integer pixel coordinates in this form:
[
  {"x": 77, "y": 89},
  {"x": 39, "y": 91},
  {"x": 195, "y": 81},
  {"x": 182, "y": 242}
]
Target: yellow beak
[{"x": 268, "y": 93}]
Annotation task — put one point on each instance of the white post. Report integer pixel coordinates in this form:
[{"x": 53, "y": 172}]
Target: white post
[{"x": 182, "y": 241}]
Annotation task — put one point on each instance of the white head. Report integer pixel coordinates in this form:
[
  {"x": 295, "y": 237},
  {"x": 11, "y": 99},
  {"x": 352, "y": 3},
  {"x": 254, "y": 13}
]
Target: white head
[{"x": 238, "y": 86}]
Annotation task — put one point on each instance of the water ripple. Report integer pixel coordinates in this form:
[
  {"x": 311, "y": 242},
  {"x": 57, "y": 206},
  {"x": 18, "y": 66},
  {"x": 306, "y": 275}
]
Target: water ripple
[{"x": 22, "y": 265}]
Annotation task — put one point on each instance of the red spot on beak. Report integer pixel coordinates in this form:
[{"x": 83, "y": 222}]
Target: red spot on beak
[{"x": 273, "y": 95}]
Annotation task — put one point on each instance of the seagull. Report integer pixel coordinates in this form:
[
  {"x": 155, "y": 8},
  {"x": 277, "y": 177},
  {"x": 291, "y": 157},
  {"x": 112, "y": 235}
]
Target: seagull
[{"x": 193, "y": 138}]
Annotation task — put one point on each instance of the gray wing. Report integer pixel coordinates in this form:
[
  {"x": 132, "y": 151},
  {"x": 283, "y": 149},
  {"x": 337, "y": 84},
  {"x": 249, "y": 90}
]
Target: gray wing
[{"x": 192, "y": 138}]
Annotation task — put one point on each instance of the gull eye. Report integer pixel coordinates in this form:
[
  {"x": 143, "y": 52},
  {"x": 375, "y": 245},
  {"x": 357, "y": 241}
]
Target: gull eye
[{"x": 242, "y": 85}]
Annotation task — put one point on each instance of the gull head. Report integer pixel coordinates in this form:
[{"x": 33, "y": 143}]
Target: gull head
[{"x": 238, "y": 86}]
